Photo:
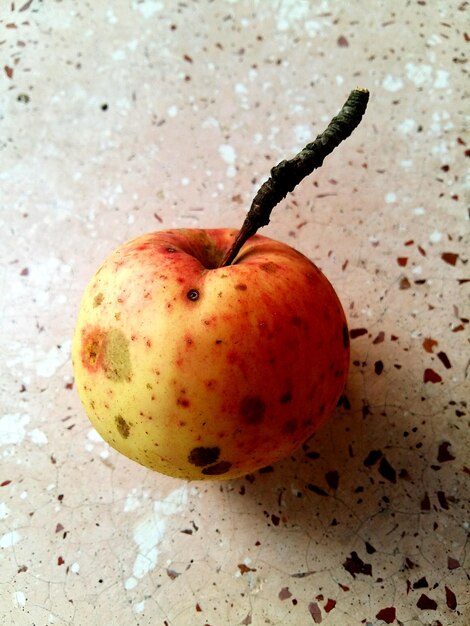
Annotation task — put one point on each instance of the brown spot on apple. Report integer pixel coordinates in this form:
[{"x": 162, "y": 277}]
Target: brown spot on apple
[
  {"x": 183, "y": 402},
  {"x": 241, "y": 287},
  {"x": 122, "y": 426},
  {"x": 117, "y": 362},
  {"x": 98, "y": 299},
  {"x": 222, "y": 467},
  {"x": 202, "y": 456},
  {"x": 252, "y": 409}
]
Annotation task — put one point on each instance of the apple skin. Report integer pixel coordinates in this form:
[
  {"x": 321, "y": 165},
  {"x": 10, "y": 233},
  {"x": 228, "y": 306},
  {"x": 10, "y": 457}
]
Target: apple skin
[{"x": 201, "y": 372}]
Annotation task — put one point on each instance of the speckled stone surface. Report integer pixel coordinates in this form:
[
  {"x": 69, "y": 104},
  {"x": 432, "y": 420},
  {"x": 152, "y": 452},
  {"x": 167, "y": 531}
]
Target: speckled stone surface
[{"x": 121, "y": 117}]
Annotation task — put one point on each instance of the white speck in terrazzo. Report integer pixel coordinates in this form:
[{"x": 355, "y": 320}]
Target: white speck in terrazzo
[
  {"x": 94, "y": 436},
  {"x": 48, "y": 364},
  {"x": 149, "y": 533},
  {"x": 12, "y": 428},
  {"x": 130, "y": 583},
  {"x": 417, "y": 270},
  {"x": 392, "y": 83},
  {"x": 131, "y": 503},
  {"x": 240, "y": 89},
  {"x": 130, "y": 219},
  {"x": 258, "y": 138},
  {"x": 8, "y": 540},
  {"x": 435, "y": 236},
  {"x": 339, "y": 80},
  {"x": 407, "y": 126},
  {"x": 434, "y": 40},
  {"x": 185, "y": 181},
  {"x": 313, "y": 28},
  {"x": 38, "y": 437},
  {"x": 111, "y": 17},
  {"x": 406, "y": 164},
  {"x": 172, "y": 111},
  {"x": 302, "y": 133},
  {"x": 75, "y": 568},
  {"x": 440, "y": 148},
  {"x": 289, "y": 12},
  {"x": 4, "y": 511},
  {"x": 19, "y": 599},
  {"x": 139, "y": 607},
  {"x": 228, "y": 154},
  {"x": 147, "y": 7},
  {"x": 418, "y": 74},
  {"x": 23, "y": 495},
  {"x": 119, "y": 55},
  {"x": 390, "y": 197},
  {"x": 441, "y": 121},
  {"x": 419, "y": 210},
  {"x": 442, "y": 79},
  {"x": 210, "y": 122}
]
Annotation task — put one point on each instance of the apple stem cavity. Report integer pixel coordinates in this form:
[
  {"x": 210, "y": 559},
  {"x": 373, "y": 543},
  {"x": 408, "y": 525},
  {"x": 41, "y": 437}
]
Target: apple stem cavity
[{"x": 286, "y": 175}]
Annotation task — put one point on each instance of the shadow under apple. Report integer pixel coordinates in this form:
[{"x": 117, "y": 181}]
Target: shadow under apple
[{"x": 364, "y": 496}]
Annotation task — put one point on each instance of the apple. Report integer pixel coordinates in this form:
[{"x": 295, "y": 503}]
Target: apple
[{"x": 206, "y": 372}]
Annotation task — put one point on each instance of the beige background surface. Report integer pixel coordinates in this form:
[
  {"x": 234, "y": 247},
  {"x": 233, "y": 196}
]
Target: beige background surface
[{"x": 121, "y": 117}]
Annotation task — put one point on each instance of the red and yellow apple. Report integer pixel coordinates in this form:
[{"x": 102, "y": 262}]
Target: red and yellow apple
[{"x": 207, "y": 372}]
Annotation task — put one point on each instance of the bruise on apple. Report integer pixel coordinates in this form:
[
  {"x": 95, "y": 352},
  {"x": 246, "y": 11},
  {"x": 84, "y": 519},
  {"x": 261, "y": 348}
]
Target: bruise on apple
[
  {"x": 269, "y": 267},
  {"x": 92, "y": 352},
  {"x": 106, "y": 350}
]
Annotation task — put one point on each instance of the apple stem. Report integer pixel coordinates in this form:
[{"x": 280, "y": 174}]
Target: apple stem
[{"x": 286, "y": 175}]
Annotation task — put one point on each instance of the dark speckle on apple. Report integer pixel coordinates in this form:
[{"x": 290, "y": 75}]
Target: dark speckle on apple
[
  {"x": 286, "y": 397},
  {"x": 202, "y": 456}
]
